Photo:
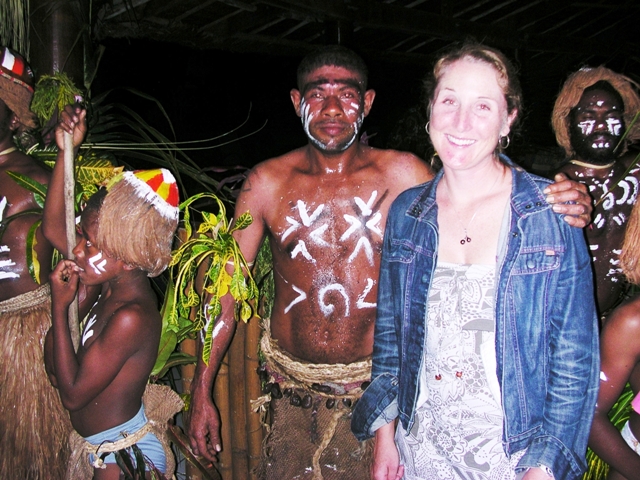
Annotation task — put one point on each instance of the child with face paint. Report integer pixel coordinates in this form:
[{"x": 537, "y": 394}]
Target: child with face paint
[
  {"x": 124, "y": 236},
  {"x": 620, "y": 364}
]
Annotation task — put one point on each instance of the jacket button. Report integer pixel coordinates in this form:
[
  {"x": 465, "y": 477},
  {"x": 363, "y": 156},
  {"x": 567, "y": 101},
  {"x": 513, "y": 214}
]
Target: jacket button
[
  {"x": 538, "y": 204},
  {"x": 528, "y": 206},
  {"x": 514, "y": 234},
  {"x": 530, "y": 264}
]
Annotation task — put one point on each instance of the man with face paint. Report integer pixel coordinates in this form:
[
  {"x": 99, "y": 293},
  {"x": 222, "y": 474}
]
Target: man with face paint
[
  {"x": 33, "y": 424},
  {"x": 589, "y": 119},
  {"x": 323, "y": 208}
]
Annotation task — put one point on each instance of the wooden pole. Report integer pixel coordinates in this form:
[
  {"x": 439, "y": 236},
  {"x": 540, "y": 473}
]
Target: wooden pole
[
  {"x": 221, "y": 398},
  {"x": 237, "y": 405},
  {"x": 252, "y": 392},
  {"x": 70, "y": 224}
]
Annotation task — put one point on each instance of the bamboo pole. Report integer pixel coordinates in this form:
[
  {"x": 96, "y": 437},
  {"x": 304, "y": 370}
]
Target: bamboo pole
[
  {"x": 221, "y": 398},
  {"x": 237, "y": 404},
  {"x": 70, "y": 225},
  {"x": 189, "y": 347},
  {"x": 252, "y": 392}
]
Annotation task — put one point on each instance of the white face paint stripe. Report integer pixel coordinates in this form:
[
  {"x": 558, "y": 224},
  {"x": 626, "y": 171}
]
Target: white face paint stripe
[
  {"x": 98, "y": 268},
  {"x": 586, "y": 127},
  {"x": 613, "y": 126}
]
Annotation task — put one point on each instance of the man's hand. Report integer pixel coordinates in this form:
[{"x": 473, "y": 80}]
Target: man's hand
[
  {"x": 204, "y": 428},
  {"x": 571, "y": 199},
  {"x": 64, "y": 282},
  {"x": 72, "y": 120}
]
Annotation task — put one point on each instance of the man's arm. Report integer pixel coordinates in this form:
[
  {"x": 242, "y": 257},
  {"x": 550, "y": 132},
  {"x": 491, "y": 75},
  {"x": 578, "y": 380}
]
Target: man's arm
[
  {"x": 204, "y": 421},
  {"x": 620, "y": 353},
  {"x": 73, "y": 121},
  {"x": 80, "y": 382},
  {"x": 571, "y": 199}
]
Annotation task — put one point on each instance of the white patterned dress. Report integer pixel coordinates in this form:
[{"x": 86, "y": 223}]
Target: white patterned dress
[{"x": 457, "y": 433}]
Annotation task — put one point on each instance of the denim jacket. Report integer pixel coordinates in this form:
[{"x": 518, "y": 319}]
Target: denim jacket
[{"x": 546, "y": 326}]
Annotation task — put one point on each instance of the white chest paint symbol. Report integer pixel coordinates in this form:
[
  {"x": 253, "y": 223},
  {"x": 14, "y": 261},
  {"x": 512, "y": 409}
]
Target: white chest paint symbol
[
  {"x": 301, "y": 296},
  {"x": 5, "y": 249},
  {"x": 361, "y": 303},
  {"x": 327, "y": 309},
  {"x": 87, "y": 334},
  {"x": 307, "y": 221},
  {"x": 372, "y": 224},
  {"x": 97, "y": 264}
]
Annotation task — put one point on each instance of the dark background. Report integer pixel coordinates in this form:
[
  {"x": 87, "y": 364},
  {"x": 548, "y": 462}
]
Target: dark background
[{"x": 208, "y": 93}]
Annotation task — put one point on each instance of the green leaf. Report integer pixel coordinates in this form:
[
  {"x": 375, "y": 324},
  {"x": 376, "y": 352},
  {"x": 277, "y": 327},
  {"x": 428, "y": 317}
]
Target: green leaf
[
  {"x": 246, "y": 311},
  {"x": 33, "y": 186},
  {"x": 208, "y": 340},
  {"x": 32, "y": 256},
  {"x": 168, "y": 342},
  {"x": 95, "y": 170},
  {"x": 176, "y": 359},
  {"x": 243, "y": 221}
]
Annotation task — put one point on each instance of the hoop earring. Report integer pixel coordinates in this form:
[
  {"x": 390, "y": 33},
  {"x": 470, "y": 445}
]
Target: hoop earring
[
  {"x": 501, "y": 142},
  {"x": 426, "y": 127},
  {"x": 435, "y": 162}
]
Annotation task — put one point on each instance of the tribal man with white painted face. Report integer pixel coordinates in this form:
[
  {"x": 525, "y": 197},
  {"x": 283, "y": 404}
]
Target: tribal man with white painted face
[
  {"x": 323, "y": 208},
  {"x": 589, "y": 119},
  {"x": 33, "y": 424}
]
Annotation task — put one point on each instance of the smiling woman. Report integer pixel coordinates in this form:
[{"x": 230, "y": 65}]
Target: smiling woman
[{"x": 479, "y": 276}]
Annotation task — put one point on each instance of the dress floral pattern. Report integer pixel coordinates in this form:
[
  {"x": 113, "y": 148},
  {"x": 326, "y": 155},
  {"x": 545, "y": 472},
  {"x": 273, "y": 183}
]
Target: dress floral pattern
[{"x": 457, "y": 432}]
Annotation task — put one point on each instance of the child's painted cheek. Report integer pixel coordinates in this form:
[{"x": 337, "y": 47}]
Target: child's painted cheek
[{"x": 97, "y": 263}]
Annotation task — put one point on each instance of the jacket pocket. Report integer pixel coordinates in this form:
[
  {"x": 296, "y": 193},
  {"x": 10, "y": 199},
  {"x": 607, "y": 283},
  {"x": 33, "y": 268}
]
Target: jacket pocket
[
  {"x": 401, "y": 251},
  {"x": 542, "y": 260}
]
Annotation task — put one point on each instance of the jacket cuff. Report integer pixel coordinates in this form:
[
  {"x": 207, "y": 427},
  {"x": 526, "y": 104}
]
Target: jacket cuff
[
  {"x": 377, "y": 406},
  {"x": 549, "y": 452}
]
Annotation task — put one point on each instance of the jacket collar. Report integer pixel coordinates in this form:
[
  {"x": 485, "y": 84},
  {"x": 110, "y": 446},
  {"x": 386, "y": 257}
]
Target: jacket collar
[{"x": 526, "y": 196}]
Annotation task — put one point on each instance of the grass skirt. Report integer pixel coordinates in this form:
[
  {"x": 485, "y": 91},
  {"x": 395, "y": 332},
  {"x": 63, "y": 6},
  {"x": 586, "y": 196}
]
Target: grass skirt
[{"x": 34, "y": 426}]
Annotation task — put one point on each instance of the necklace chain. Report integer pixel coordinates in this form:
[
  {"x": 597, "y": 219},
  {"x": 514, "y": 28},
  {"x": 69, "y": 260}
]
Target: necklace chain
[
  {"x": 591, "y": 165},
  {"x": 466, "y": 238}
]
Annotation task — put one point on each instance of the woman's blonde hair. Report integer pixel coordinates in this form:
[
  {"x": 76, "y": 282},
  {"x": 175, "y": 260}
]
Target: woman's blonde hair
[
  {"x": 571, "y": 94},
  {"x": 507, "y": 79}
]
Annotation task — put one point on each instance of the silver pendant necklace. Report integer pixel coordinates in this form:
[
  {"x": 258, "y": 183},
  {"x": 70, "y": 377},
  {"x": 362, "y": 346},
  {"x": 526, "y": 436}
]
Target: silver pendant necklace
[{"x": 466, "y": 238}]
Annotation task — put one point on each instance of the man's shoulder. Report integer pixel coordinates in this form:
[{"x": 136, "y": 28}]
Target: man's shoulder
[
  {"x": 136, "y": 318},
  {"x": 406, "y": 167},
  {"x": 25, "y": 165},
  {"x": 276, "y": 169}
]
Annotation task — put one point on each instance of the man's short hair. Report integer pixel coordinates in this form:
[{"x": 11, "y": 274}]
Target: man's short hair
[
  {"x": 572, "y": 91},
  {"x": 333, "y": 55}
]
